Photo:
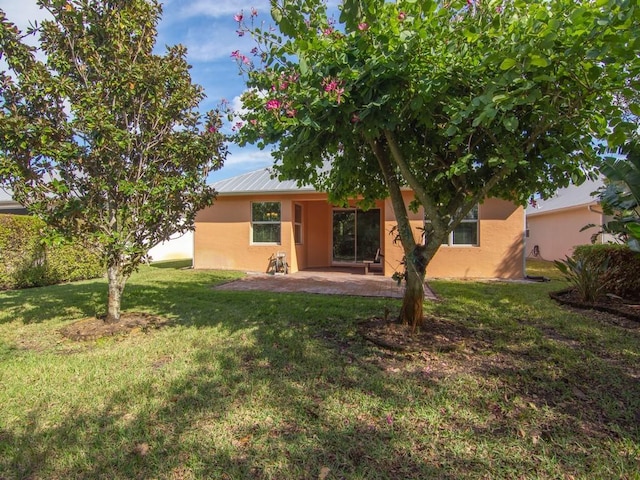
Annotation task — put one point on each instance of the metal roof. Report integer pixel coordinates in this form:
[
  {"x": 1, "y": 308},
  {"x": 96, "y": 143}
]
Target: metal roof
[
  {"x": 258, "y": 181},
  {"x": 569, "y": 197}
]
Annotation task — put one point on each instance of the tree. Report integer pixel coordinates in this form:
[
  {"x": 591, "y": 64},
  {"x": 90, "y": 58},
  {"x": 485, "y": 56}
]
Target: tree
[
  {"x": 103, "y": 140},
  {"x": 620, "y": 197},
  {"x": 457, "y": 100}
]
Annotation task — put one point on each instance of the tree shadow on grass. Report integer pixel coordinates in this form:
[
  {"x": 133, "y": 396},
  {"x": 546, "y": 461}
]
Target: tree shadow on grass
[{"x": 284, "y": 399}]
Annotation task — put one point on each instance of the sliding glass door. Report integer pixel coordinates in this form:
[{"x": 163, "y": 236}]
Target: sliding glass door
[{"x": 356, "y": 235}]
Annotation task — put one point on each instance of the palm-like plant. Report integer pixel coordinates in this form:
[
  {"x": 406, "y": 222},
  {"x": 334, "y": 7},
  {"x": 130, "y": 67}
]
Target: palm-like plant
[{"x": 620, "y": 197}]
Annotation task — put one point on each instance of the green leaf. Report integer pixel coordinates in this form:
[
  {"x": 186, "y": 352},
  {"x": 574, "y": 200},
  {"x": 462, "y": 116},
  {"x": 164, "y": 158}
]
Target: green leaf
[
  {"x": 510, "y": 123},
  {"x": 539, "y": 61},
  {"x": 635, "y": 109},
  {"x": 507, "y": 63}
]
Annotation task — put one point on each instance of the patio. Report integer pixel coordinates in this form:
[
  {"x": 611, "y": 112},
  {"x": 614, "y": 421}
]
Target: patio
[{"x": 324, "y": 281}]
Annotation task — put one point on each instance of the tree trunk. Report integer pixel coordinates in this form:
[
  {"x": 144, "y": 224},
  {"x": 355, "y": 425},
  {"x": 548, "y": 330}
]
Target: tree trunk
[
  {"x": 415, "y": 255},
  {"x": 411, "y": 312},
  {"x": 117, "y": 281}
]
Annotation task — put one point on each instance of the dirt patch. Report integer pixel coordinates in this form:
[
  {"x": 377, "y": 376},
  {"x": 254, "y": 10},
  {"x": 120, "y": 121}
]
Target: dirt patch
[
  {"x": 617, "y": 310},
  {"x": 93, "y": 328},
  {"x": 437, "y": 334}
]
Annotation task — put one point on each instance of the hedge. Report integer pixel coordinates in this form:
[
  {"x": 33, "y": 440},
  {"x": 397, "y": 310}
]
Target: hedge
[
  {"x": 622, "y": 276},
  {"x": 25, "y": 261}
]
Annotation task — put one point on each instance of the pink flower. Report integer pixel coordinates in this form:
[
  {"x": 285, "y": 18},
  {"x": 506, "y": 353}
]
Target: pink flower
[
  {"x": 402, "y": 16},
  {"x": 253, "y": 122},
  {"x": 254, "y": 51},
  {"x": 239, "y": 16},
  {"x": 212, "y": 129},
  {"x": 254, "y": 12},
  {"x": 273, "y": 104},
  {"x": 363, "y": 26},
  {"x": 327, "y": 31},
  {"x": 240, "y": 33},
  {"x": 235, "y": 54}
]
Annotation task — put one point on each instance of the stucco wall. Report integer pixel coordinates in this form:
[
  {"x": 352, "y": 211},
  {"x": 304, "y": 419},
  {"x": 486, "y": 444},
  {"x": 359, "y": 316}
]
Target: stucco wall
[
  {"x": 223, "y": 239},
  {"x": 557, "y": 233}
]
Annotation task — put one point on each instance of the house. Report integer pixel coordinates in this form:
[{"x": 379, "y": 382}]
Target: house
[
  {"x": 554, "y": 225},
  {"x": 8, "y": 205},
  {"x": 178, "y": 247},
  {"x": 257, "y": 217}
]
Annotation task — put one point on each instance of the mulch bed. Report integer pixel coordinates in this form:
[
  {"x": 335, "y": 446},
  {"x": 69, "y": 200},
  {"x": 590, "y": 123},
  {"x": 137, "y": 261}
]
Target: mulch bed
[
  {"x": 436, "y": 334},
  {"x": 629, "y": 310},
  {"x": 93, "y": 328}
]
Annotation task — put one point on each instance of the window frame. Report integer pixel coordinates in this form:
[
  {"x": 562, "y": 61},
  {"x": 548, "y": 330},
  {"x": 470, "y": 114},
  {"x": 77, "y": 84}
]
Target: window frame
[
  {"x": 255, "y": 223},
  {"x": 450, "y": 241},
  {"x": 298, "y": 231}
]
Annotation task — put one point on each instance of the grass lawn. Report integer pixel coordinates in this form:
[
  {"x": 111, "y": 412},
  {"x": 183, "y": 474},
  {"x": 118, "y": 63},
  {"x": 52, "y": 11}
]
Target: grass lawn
[{"x": 267, "y": 385}]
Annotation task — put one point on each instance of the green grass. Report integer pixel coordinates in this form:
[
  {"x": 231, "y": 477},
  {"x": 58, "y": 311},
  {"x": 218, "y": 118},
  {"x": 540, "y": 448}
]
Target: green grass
[{"x": 266, "y": 385}]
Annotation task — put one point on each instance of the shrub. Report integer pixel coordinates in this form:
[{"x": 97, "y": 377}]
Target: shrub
[
  {"x": 621, "y": 277},
  {"x": 25, "y": 260},
  {"x": 585, "y": 273}
]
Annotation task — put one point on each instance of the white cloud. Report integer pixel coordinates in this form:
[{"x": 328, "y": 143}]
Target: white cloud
[
  {"x": 251, "y": 159},
  {"x": 219, "y": 8}
]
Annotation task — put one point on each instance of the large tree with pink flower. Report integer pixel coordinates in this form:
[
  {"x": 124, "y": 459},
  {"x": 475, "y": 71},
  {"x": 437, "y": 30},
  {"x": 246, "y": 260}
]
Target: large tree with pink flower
[{"x": 456, "y": 100}]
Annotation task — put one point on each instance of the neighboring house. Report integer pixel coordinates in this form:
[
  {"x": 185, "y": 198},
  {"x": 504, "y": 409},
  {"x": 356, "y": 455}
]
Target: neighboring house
[
  {"x": 256, "y": 217},
  {"x": 9, "y": 206},
  {"x": 178, "y": 247},
  {"x": 554, "y": 225}
]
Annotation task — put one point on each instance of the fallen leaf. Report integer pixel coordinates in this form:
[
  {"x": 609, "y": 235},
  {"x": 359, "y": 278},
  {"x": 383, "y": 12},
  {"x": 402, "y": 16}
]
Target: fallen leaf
[{"x": 324, "y": 471}]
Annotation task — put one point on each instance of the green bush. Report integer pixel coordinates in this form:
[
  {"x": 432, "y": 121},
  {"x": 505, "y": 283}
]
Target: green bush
[
  {"x": 25, "y": 260},
  {"x": 621, "y": 277}
]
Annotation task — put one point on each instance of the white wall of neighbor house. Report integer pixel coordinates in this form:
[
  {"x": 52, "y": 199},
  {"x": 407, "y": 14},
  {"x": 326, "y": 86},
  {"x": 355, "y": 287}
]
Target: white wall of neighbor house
[{"x": 178, "y": 247}]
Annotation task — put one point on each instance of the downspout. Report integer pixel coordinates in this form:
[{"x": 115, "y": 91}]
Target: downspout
[{"x": 590, "y": 208}]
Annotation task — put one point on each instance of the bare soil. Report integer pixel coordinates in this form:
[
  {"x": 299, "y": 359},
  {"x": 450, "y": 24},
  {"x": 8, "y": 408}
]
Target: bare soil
[{"x": 93, "y": 328}]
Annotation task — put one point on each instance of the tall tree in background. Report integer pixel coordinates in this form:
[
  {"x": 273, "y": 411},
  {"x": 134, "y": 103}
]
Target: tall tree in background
[
  {"x": 457, "y": 100},
  {"x": 103, "y": 140}
]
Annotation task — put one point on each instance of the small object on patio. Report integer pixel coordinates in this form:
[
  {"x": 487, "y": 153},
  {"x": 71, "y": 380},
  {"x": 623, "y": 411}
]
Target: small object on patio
[
  {"x": 278, "y": 264},
  {"x": 367, "y": 263}
]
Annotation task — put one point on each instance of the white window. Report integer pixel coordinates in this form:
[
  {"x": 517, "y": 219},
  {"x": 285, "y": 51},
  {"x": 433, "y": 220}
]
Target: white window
[
  {"x": 265, "y": 222},
  {"x": 297, "y": 223},
  {"x": 466, "y": 233}
]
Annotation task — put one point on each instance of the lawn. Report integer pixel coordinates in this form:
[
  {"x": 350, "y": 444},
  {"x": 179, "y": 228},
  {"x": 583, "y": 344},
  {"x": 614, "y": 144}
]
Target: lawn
[{"x": 266, "y": 385}]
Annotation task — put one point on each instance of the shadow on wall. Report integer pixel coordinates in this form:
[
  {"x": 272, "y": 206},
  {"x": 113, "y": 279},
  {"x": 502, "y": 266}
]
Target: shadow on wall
[{"x": 512, "y": 260}]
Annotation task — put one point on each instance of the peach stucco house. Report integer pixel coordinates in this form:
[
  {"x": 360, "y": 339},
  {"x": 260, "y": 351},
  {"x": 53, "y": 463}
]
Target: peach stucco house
[
  {"x": 554, "y": 225},
  {"x": 255, "y": 217}
]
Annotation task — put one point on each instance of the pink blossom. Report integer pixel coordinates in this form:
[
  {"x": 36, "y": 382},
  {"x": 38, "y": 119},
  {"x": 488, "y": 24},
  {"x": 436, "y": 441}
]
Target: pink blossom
[
  {"x": 240, "y": 33},
  {"x": 236, "y": 54},
  {"x": 254, "y": 51},
  {"x": 212, "y": 129},
  {"x": 363, "y": 26},
  {"x": 327, "y": 31},
  {"x": 254, "y": 12},
  {"x": 239, "y": 16},
  {"x": 253, "y": 122},
  {"x": 273, "y": 104},
  {"x": 291, "y": 112},
  {"x": 402, "y": 16}
]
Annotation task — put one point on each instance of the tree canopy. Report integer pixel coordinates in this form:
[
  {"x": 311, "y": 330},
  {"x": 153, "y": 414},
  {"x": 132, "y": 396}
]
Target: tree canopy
[
  {"x": 457, "y": 100},
  {"x": 102, "y": 138}
]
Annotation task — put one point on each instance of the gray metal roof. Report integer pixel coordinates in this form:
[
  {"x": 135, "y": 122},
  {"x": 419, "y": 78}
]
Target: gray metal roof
[
  {"x": 569, "y": 197},
  {"x": 258, "y": 181}
]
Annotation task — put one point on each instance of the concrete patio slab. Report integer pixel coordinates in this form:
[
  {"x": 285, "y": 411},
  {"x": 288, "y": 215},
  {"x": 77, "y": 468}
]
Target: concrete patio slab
[{"x": 328, "y": 282}]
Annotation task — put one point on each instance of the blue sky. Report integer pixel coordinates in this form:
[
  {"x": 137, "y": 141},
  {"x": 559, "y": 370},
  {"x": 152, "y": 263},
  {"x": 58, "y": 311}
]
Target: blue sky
[{"x": 207, "y": 29}]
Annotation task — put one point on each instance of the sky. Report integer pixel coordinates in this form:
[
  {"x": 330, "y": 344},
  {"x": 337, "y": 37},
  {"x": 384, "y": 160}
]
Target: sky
[{"x": 208, "y": 30}]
